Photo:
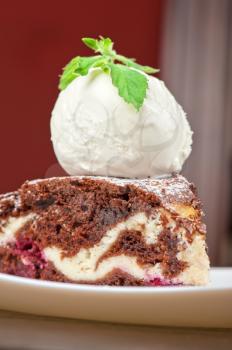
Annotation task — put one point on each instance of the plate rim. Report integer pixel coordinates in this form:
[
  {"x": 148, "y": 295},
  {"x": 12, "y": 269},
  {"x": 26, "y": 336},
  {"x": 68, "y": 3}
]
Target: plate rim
[{"x": 23, "y": 281}]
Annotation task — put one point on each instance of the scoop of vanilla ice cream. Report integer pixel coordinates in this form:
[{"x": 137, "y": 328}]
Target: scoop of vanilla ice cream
[{"x": 94, "y": 132}]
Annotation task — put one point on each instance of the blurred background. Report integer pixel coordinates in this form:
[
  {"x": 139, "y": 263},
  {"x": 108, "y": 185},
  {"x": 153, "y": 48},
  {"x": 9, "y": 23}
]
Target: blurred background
[{"x": 189, "y": 40}]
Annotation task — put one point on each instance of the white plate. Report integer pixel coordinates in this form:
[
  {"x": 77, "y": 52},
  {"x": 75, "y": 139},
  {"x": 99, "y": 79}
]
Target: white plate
[{"x": 209, "y": 306}]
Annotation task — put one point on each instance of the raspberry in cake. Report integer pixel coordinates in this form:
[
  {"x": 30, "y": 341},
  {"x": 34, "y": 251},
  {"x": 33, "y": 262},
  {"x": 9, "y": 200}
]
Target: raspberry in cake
[{"x": 105, "y": 231}]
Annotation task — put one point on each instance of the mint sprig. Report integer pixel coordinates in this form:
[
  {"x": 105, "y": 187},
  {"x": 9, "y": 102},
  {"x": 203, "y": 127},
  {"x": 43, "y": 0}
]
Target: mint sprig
[{"x": 127, "y": 75}]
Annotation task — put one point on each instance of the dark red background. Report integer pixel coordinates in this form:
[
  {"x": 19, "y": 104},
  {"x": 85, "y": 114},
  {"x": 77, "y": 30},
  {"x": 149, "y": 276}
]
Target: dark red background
[{"x": 37, "y": 39}]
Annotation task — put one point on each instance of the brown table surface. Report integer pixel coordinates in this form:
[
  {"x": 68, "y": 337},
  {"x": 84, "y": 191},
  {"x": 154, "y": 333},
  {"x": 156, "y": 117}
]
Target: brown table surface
[{"x": 20, "y": 331}]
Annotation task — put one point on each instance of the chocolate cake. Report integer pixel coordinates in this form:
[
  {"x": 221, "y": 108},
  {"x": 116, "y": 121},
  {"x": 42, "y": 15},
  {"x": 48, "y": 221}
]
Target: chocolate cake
[{"x": 96, "y": 230}]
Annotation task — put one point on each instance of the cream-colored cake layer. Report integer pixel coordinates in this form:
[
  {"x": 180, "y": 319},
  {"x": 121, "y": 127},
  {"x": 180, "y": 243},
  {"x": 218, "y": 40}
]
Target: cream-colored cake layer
[
  {"x": 10, "y": 227},
  {"x": 198, "y": 261},
  {"x": 83, "y": 266}
]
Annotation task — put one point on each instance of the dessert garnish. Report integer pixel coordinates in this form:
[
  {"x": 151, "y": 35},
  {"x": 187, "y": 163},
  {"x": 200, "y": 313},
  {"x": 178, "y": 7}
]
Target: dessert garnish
[{"x": 131, "y": 83}]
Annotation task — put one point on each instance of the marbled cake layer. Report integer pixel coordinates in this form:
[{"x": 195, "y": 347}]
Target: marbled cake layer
[{"x": 104, "y": 231}]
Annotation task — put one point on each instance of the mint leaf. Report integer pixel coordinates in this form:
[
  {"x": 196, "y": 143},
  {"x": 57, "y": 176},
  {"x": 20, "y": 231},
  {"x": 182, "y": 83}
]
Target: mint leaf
[
  {"x": 85, "y": 63},
  {"x": 131, "y": 85},
  {"x": 68, "y": 74},
  {"x": 104, "y": 46},
  {"x": 91, "y": 43},
  {"x": 78, "y": 66},
  {"x": 130, "y": 62}
]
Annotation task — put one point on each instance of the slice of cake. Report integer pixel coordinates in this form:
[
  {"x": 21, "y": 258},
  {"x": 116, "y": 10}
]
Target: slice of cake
[{"x": 111, "y": 231}]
